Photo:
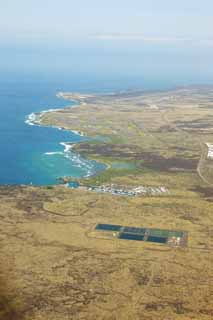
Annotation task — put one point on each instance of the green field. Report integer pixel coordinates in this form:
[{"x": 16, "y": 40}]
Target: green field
[{"x": 55, "y": 265}]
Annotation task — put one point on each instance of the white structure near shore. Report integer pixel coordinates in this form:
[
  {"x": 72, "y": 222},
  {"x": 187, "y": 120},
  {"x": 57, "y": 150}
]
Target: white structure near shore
[
  {"x": 210, "y": 150},
  {"x": 128, "y": 191}
]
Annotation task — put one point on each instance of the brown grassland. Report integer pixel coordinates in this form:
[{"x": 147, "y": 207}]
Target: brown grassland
[{"x": 54, "y": 266}]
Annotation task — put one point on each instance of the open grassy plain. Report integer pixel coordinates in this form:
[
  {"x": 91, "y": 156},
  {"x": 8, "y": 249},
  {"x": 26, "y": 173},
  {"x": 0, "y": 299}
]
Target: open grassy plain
[
  {"x": 54, "y": 265},
  {"x": 161, "y": 133}
]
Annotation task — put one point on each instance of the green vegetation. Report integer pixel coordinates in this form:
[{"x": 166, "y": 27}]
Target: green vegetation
[
  {"x": 67, "y": 270},
  {"x": 108, "y": 176},
  {"x": 166, "y": 139}
]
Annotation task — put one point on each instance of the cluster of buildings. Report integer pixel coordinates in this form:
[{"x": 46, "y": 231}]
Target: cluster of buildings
[
  {"x": 210, "y": 150},
  {"x": 124, "y": 191}
]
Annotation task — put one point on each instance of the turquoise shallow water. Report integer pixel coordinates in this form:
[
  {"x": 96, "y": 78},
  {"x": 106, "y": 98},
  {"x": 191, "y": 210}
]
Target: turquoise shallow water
[
  {"x": 30, "y": 77},
  {"x": 34, "y": 154}
]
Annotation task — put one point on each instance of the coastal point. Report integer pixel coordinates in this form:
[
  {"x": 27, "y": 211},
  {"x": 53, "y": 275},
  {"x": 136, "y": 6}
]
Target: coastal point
[{"x": 133, "y": 240}]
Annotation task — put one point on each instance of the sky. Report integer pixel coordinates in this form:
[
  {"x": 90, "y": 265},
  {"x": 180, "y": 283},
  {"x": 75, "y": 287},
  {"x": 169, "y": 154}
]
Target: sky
[
  {"x": 160, "y": 21},
  {"x": 118, "y": 39}
]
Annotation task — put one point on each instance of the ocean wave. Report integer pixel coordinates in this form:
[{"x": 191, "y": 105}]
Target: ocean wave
[
  {"x": 35, "y": 118},
  {"x": 79, "y": 162},
  {"x": 53, "y": 153},
  {"x": 30, "y": 119},
  {"x": 67, "y": 146},
  {"x": 88, "y": 167},
  {"x": 78, "y": 133},
  {"x": 76, "y": 159}
]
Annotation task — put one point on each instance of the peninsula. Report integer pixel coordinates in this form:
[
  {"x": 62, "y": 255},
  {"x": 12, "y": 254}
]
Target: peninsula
[{"x": 92, "y": 252}]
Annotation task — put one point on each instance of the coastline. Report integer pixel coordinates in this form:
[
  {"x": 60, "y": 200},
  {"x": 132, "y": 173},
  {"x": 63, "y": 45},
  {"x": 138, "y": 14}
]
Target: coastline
[
  {"x": 52, "y": 219},
  {"x": 35, "y": 119},
  {"x": 124, "y": 120}
]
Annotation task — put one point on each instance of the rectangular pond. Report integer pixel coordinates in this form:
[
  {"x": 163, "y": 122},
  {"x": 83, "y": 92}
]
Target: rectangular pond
[
  {"x": 108, "y": 227},
  {"x": 162, "y": 236},
  {"x": 131, "y": 236}
]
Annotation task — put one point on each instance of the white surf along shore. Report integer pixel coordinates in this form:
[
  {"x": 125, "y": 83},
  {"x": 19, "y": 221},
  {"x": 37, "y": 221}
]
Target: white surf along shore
[{"x": 35, "y": 119}]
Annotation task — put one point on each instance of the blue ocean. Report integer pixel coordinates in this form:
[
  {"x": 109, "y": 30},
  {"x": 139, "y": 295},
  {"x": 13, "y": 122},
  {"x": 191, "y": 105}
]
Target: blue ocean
[{"x": 30, "y": 79}]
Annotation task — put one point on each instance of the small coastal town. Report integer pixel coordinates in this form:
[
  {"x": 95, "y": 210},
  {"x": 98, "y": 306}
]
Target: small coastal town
[
  {"x": 124, "y": 191},
  {"x": 106, "y": 162},
  {"x": 139, "y": 227}
]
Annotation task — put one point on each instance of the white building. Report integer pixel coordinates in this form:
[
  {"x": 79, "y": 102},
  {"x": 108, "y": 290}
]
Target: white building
[{"x": 210, "y": 150}]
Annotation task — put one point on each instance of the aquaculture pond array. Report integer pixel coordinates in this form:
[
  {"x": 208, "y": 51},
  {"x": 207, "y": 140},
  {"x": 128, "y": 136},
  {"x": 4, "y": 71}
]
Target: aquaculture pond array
[{"x": 171, "y": 237}]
